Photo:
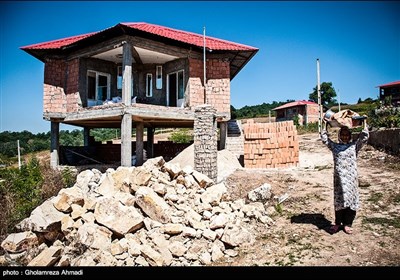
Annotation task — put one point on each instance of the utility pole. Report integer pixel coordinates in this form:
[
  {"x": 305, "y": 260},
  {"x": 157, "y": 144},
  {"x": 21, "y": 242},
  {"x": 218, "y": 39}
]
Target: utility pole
[
  {"x": 319, "y": 99},
  {"x": 338, "y": 99},
  {"x": 204, "y": 65},
  {"x": 19, "y": 156}
]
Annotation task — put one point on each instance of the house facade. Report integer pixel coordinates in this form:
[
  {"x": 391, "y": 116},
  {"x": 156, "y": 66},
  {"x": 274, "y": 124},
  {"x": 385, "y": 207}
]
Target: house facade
[
  {"x": 137, "y": 75},
  {"x": 306, "y": 112},
  {"x": 389, "y": 93}
]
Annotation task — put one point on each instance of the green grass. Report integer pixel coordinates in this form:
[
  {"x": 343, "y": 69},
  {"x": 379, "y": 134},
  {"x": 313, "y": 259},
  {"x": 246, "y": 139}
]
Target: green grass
[{"x": 375, "y": 197}]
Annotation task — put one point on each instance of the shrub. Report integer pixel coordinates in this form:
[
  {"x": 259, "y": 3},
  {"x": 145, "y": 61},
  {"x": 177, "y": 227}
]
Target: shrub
[
  {"x": 181, "y": 136},
  {"x": 22, "y": 190}
]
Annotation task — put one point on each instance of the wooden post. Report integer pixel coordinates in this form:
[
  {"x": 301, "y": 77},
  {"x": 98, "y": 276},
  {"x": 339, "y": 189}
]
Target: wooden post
[
  {"x": 55, "y": 144},
  {"x": 139, "y": 143}
]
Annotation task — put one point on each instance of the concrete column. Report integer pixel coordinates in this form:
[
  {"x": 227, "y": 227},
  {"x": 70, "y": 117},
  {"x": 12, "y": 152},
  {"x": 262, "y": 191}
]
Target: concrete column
[
  {"x": 223, "y": 132},
  {"x": 139, "y": 143},
  {"x": 205, "y": 141},
  {"x": 86, "y": 136},
  {"x": 150, "y": 142},
  {"x": 126, "y": 140},
  {"x": 126, "y": 124},
  {"x": 127, "y": 74},
  {"x": 55, "y": 144}
]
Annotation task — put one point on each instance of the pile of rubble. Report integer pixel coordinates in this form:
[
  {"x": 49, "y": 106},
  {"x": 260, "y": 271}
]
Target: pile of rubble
[{"x": 158, "y": 214}]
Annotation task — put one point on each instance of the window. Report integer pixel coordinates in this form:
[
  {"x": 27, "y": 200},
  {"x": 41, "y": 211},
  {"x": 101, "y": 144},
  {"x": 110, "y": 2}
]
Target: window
[
  {"x": 181, "y": 91},
  {"x": 149, "y": 85},
  {"x": 119, "y": 81},
  {"x": 98, "y": 87},
  {"x": 159, "y": 77}
]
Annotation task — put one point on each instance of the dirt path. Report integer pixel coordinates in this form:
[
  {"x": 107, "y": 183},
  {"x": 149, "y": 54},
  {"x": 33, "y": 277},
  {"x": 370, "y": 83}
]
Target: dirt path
[{"x": 298, "y": 236}]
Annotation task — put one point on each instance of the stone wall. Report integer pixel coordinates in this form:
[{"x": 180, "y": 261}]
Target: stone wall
[
  {"x": 205, "y": 141},
  {"x": 270, "y": 145},
  {"x": 387, "y": 139}
]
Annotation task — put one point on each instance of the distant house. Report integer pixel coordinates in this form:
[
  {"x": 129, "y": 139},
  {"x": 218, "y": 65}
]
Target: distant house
[
  {"x": 390, "y": 93},
  {"x": 306, "y": 111},
  {"x": 135, "y": 75}
]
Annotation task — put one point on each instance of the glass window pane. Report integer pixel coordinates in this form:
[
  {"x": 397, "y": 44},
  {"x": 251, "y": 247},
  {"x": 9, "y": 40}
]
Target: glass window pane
[
  {"x": 159, "y": 77},
  {"x": 181, "y": 90},
  {"x": 149, "y": 86}
]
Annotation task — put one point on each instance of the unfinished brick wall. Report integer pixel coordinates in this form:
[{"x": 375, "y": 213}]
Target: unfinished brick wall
[
  {"x": 218, "y": 84},
  {"x": 73, "y": 97},
  {"x": 312, "y": 113},
  {"x": 61, "y": 86},
  {"x": 270, "y": 145},
  {"x": 54, "y": 99},
  {"x": 196, "y": 92}
]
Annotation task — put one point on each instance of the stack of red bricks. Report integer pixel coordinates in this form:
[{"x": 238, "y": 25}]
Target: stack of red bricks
[{"x": 270, "y": 145}]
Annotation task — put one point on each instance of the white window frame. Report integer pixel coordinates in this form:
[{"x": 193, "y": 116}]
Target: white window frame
[
  {"x": 149, "y": 86},
  {"x": 97, "y": 87}
]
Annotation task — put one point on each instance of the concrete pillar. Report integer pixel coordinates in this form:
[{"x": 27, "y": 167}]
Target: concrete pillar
[
  {"x": 205, "y": 141},
  {"x": 126, "y": 140},
  {"x": 54, "y": 144},
  {"x": 223, "y": 132},
  {"x": 86, "y": 136},
  {"x": 139, "y": 143},
  {"x": 150, "y": 142},
  {"x": 127, "y": 74},
  {"x": 126, "y": 124}
]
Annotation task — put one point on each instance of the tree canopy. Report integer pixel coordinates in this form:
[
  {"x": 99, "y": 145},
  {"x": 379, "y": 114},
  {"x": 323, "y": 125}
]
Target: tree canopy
[{"x": 328, "y": 94}]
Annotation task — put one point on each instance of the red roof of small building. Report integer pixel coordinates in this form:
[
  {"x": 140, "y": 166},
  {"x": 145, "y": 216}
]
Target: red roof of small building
[
  {"x": 295, "y": 103},
  {"x": 397, "y": 83},
  {"x": 170, "y": 33}
]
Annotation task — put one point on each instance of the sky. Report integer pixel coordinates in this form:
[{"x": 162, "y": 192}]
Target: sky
[{"x": 357, "y": 44}]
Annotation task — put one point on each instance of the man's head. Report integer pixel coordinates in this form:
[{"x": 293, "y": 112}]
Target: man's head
[{"x": 345, "y": 134}]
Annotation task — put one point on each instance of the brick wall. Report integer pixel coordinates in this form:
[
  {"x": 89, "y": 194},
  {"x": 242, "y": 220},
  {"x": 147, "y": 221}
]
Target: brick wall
[
  {"x": 270, "y": 145},
  {"x": 61, "y": 86},
  {"x": 73, "y": 97},
  {"x": 312, "y": 113},
  {"x": 218, "y": 84},
  {"x": 54, "y": 99}
]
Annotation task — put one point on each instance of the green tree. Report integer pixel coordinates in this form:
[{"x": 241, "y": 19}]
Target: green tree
[{"x": 328, "y": 94}]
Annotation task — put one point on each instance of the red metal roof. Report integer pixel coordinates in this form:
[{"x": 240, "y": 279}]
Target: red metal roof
[
  {"x": 58, "y": 44},
  {"x": 170, "y": 33},
  {"x": 390, "y": 84},
  {"x": 295, "y": 103}
]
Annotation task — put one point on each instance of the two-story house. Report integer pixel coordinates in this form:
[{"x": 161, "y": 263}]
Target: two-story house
[{"x": 137, "y": 75}]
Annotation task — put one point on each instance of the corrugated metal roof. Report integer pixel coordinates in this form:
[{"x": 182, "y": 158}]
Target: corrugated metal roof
[
  {"x": 295, "y": 103},
  {"x": 170, "y": 33},
  {"x": 390, "y": 84}
]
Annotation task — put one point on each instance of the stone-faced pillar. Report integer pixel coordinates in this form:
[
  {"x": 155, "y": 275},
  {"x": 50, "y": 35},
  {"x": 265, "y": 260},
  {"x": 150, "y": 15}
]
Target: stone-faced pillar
[{"x": 205, "y": 141}]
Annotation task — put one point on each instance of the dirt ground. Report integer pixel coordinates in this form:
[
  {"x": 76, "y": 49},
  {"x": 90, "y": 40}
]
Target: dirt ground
[{"x": 299, "y": 236}]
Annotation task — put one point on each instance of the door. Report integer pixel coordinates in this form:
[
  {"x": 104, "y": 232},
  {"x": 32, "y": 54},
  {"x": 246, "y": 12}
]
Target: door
[{"x": 176, "y": 92}]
